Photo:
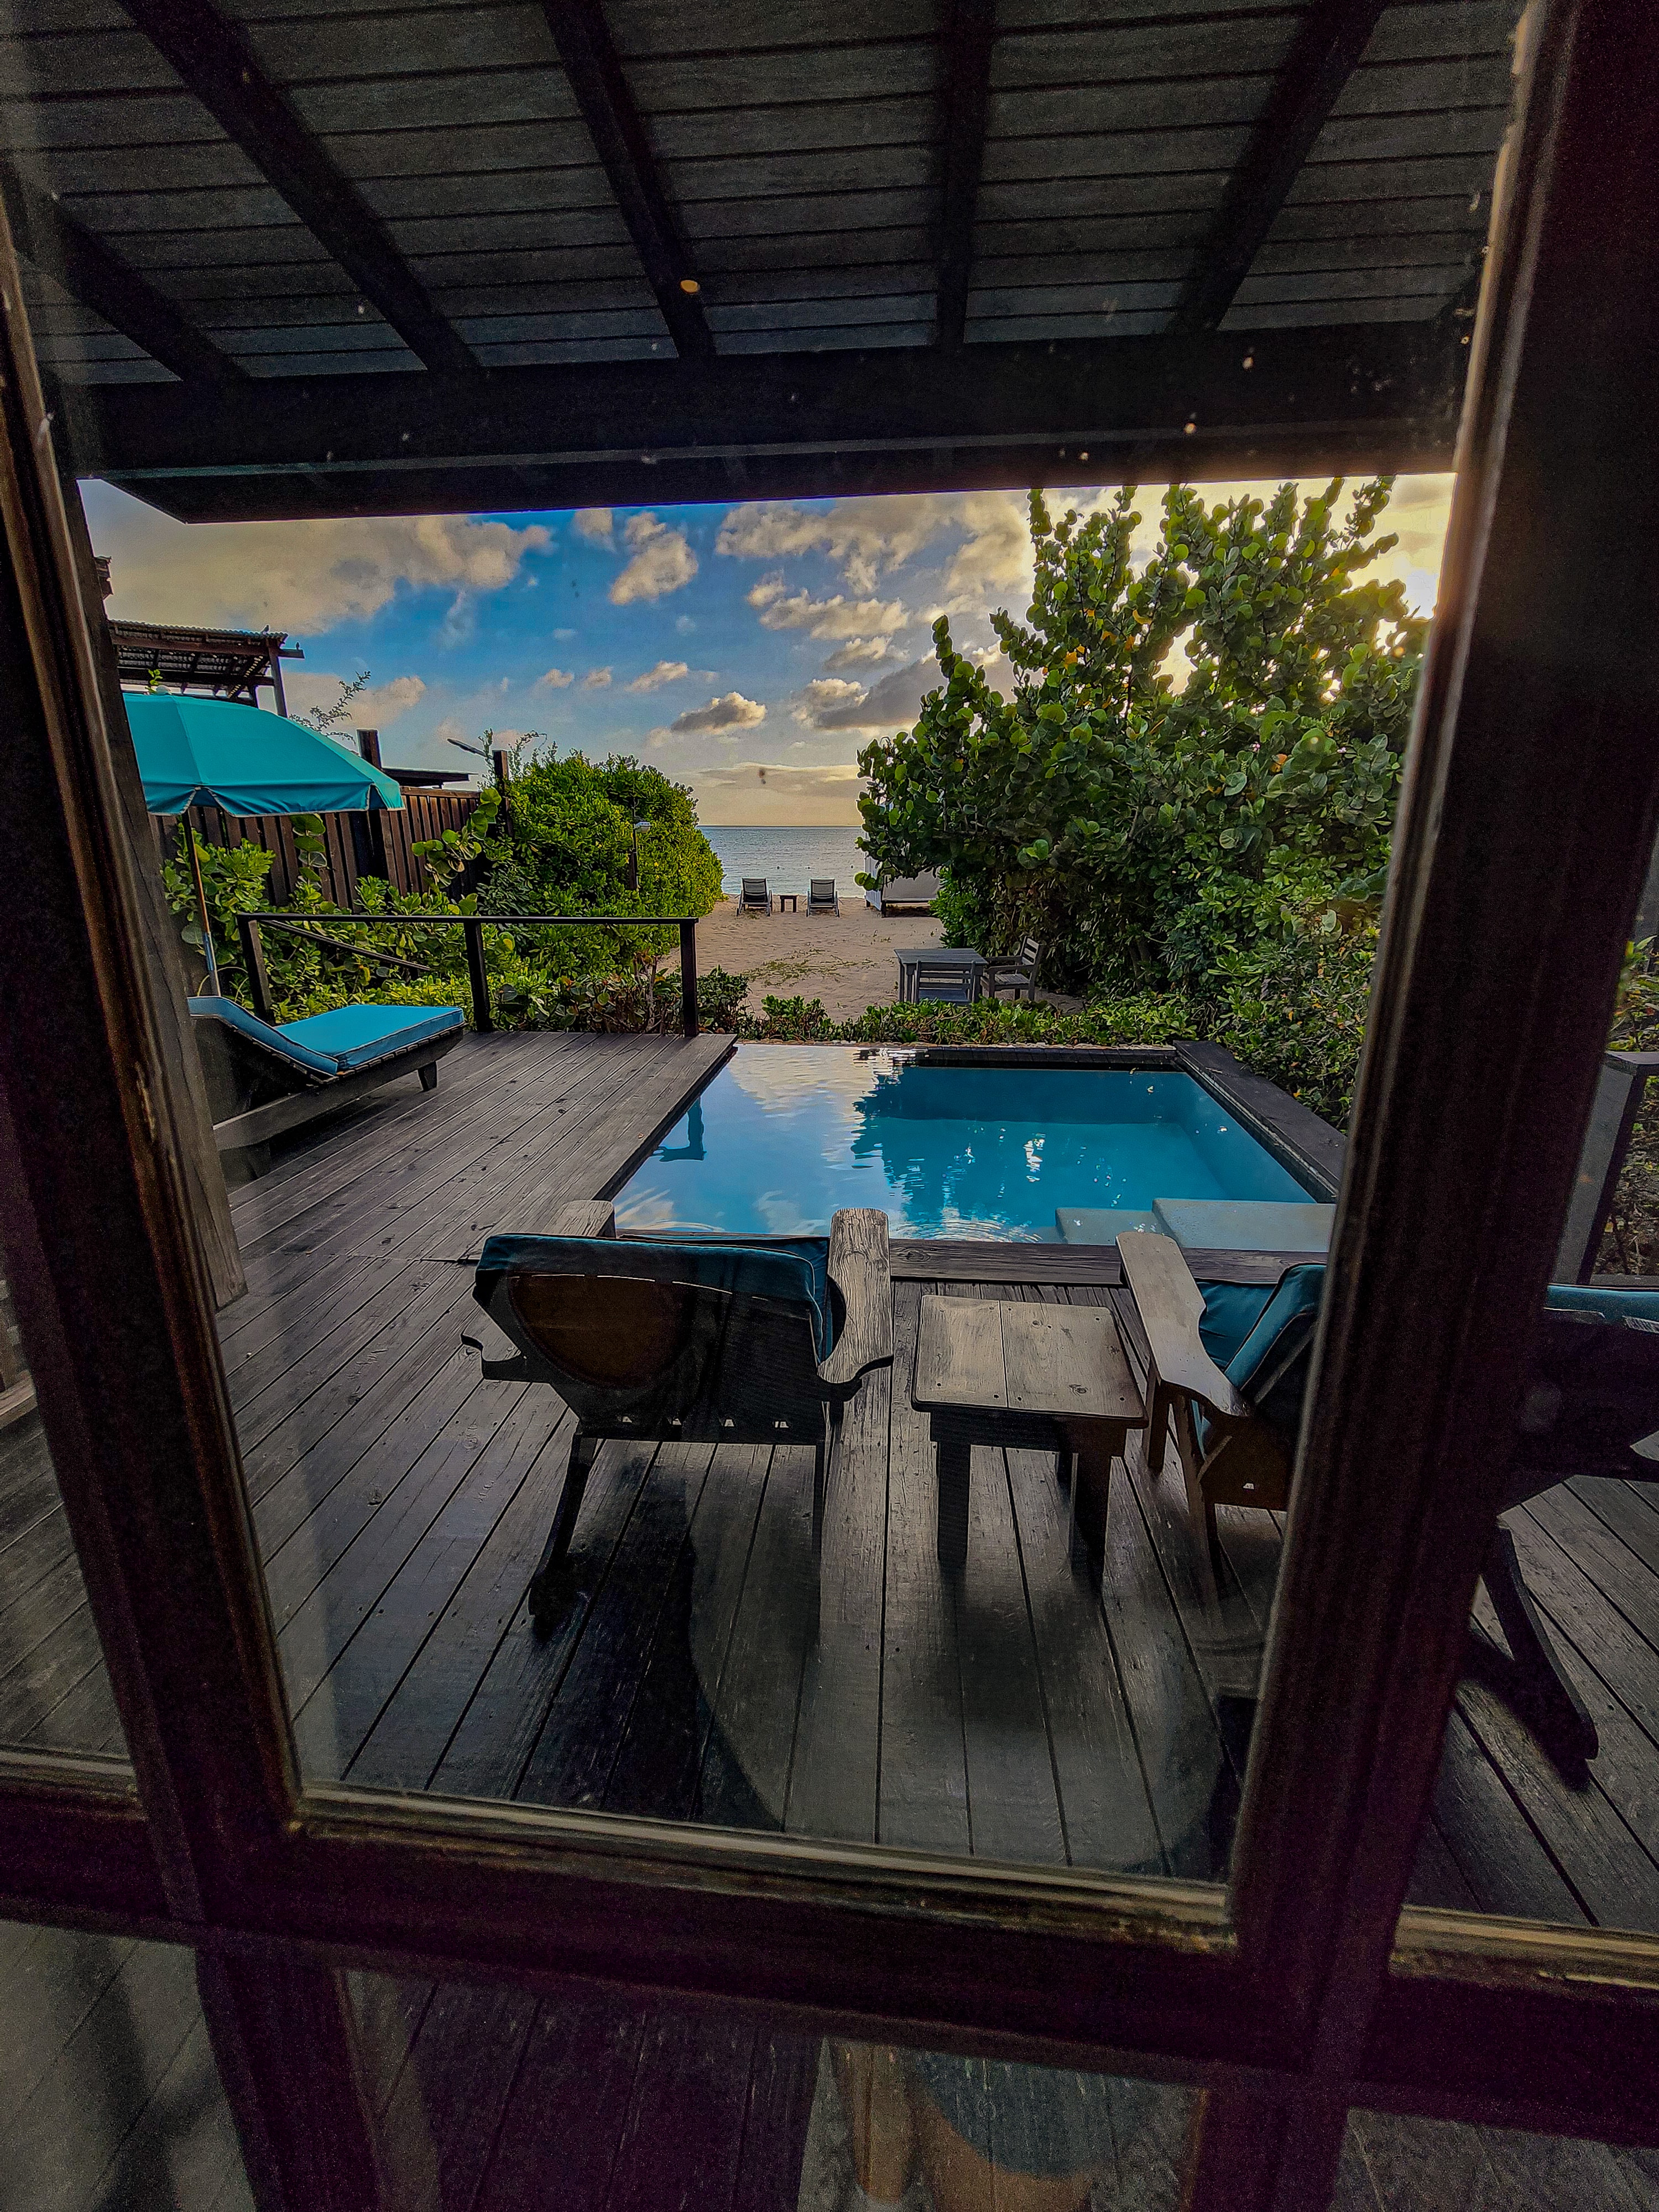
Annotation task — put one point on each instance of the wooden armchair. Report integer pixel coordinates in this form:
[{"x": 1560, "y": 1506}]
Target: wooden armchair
[
  {"x": 1232, "y": 1452},
  {"x": 1591, "y": 1407},
  {"x": 695, "y": 1343},
  {"x": 1016, "y": 975}
]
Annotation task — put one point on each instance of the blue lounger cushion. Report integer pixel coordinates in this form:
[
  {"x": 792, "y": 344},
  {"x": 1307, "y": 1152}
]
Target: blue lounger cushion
[
  {"x": 1269, "y": 1364},
  {"x": 348, "y": 1037},
  {"x": 357, "y": 1036},
  {"x": 794, "y": 1269}
]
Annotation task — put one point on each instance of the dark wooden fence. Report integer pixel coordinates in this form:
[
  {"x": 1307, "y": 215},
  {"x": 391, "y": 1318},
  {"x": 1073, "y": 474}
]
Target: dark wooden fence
[{"x": 358, "y": 844}]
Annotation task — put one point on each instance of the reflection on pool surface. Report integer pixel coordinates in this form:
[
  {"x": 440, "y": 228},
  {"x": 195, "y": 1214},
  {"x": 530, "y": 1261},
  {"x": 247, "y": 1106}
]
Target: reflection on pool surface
[{"x": 785, "y": 1134}]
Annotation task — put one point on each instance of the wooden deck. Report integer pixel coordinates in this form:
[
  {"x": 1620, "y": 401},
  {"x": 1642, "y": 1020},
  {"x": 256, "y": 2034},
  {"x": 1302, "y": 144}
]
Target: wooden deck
[{"x": 705, "y": 1666}]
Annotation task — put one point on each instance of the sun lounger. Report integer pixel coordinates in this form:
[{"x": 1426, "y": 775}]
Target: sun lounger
[
  {"x": 264, "y": 1078},
  {"x": 822, "y": 897},
  {"x": 756, "y": 898}
]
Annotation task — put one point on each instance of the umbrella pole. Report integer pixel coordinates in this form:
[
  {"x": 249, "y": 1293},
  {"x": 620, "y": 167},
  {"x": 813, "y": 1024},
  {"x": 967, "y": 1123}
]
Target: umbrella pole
[{"x": 210, "y": 989}]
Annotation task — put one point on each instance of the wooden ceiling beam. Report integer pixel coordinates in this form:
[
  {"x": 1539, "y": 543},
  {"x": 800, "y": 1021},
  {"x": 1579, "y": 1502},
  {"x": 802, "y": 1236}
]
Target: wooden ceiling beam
[
  {"x": 1323, "y": 56},
  {"x": 1359, "y": 397},
  {"x": 218, "y": 66},
  {"x": 968, "y": 37},
  {"x": 591, "y": 62},
  {"x": 93, "y": 273}
]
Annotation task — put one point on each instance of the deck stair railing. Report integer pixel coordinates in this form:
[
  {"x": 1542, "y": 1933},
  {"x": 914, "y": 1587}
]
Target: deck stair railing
[{"x": 250, "y": 928}]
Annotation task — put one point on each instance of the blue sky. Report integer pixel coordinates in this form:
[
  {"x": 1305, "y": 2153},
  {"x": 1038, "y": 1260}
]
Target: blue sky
[{"x": 748, "y": 650}]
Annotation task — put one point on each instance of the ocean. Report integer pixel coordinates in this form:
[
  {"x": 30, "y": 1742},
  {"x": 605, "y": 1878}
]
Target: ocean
[{"x": 789, "y": 857}]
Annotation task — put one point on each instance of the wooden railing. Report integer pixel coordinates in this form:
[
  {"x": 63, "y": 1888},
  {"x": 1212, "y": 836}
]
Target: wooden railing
[{"x": 249, "y": 927}]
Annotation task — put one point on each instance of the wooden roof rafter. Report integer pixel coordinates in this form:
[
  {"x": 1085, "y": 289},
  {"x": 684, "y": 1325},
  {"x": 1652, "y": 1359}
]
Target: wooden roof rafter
[
  {"x": 218, "y": 66},
  {"x": 96, "y": 276},
  {"x": 967, "y": 98},
  {"x": 1326, "y": 51},
  {"x": 590, "y": 63}
]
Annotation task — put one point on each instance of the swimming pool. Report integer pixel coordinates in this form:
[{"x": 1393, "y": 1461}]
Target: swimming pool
[{"x": 785, "y": 1134}]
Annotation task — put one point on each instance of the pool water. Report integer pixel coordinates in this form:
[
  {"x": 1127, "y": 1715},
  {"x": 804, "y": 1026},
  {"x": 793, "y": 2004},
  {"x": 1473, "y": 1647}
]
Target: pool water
[{"x": 785, "y": 1134}]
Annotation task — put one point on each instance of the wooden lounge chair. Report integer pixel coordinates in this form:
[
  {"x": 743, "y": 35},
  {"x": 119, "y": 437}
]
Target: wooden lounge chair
[
  {"x": 757, "y": 899},
  {"x": 1017, "y": 974},
  {"x": 822, "y": 897},
  {"x": 693, "y": 1343},
  {"x": 264, "y": 1078},
  {"x": 945, "y": 982},
  {"x": 1592, "y": 1396}
]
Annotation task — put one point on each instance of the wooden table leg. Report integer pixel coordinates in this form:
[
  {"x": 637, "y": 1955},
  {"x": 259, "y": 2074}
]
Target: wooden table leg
[
  {"x": 1096, "y": 1444},
  {"x": 953, "y": 1457}
]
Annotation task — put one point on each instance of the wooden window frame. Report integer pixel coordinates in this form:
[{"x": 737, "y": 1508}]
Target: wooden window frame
[{"x": 1300, "y": 1988}]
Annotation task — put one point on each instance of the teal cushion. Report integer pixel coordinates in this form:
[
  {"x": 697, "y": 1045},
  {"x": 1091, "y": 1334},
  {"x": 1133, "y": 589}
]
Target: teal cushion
[
  {"x": 1231, "y": 1311},
  {"x": 794, "y": 1269},
  {"x": 1590, "y": 1299},
  {"x": 357, "y": 1036},
  {"x": 1270, "y": 1368},
  {"x": 283, "y": 1045}
]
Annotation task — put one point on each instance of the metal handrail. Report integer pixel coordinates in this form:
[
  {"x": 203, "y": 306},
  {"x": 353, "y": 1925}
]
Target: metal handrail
[{"x": 473, "y": 926}]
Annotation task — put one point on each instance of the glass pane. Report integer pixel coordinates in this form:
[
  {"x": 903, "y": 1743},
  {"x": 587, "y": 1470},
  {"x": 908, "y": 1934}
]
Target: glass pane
[
  {"x": 54, "y": 1688},
  {"x": 958, "y": 1607},
  {"x": 113, "y": 2102},
  {"x": 1391, "y": 2164},
  {"x": 475, "y": 2088},
  {"x": 1549, "y": 1778}
]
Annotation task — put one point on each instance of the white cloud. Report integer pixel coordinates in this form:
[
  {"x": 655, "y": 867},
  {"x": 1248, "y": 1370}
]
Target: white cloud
[
  {"x": 597, "y": 679},
  {"x": 556, "y": 679},
  {"x": 892, "y": 704},
  {"x": 563, "y": 636},
  {"x": 832, "y": 618},
  {"x": 666, "y": 671},
  {"x": 297, "y": 576},
  {"x": 685, "y": 625},
  {"x": 823, "y": 694},
  {"x": 376, "y": 709},
  {"x": 857, "y": 652},
  {"x": 662, "y": 562},
  {"x": 733, "y": 712},
  {"x": 593, "y": 523},
  {"x": 863, "y": 537}
]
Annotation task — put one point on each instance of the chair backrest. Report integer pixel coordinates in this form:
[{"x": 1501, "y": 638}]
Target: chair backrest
[
  {"x": 822, "y": 892},
  {"x": 656, "y": 1340},
  {"x": 1030, "y": 951},
  {"x": 754, "y": 887},
  {"x": 942, "y": 979}
]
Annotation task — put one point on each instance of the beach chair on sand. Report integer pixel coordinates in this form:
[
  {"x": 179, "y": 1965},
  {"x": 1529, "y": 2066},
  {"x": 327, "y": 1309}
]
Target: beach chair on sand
[
  {"x": 695, "y": 1343},
  {"x": 821, "y": 898},
  {"x": 1230, "y": 1362},
  {"x": 757, "y": 899},
  {"x": 1015, "y": 975},
  {"x": 944, "y": 982}
]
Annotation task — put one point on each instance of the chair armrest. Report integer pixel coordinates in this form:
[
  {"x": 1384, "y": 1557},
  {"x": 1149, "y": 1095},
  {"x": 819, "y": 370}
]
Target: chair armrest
[
  {"x": 1170, "y": 1306},
  {"x": 587, "y": 1216},
  {"x": 858, "y": 1269}
]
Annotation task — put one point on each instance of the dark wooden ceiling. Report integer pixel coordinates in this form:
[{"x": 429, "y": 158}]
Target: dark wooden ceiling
[{"x": 286, "y": 256}]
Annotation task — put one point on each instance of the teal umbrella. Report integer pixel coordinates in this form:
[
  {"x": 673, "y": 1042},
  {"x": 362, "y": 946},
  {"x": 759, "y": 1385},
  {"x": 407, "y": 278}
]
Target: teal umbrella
[{"x": 217, "y": 752}]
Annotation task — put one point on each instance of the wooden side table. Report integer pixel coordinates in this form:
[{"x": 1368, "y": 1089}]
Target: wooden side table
[
  {"x": 1037, "y": 1377},
  {"x": 790, "y": 899}
]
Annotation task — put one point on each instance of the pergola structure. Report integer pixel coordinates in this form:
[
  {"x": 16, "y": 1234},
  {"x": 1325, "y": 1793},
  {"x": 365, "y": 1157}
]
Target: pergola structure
[
  {"x": 230, "y": 664},
  {"x": 539, "y": 253}
]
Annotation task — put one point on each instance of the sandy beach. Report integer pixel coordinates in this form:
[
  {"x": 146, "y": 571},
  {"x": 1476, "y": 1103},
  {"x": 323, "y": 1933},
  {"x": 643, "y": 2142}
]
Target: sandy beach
[{"x": 845, "y": 959}]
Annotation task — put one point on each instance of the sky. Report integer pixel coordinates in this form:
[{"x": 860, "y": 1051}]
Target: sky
[{"x": 748, "y": 651}]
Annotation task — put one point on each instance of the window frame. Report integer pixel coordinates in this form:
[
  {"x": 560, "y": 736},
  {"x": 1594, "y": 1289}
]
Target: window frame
[{"x": 1302, "y": 1983}]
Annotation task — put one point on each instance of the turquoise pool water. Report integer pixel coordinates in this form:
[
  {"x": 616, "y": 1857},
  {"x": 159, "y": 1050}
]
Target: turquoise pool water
[{"x": 785, "y": 1134}]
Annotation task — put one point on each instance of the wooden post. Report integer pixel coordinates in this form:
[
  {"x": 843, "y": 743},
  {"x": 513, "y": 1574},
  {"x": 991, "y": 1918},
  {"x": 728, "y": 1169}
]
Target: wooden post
[
  {"x": 689, "y": 1014},
  {"x": 253, "y": 959},
  {"x": 187, "y": 1099},
  {"x": 478, "y": 974}
]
